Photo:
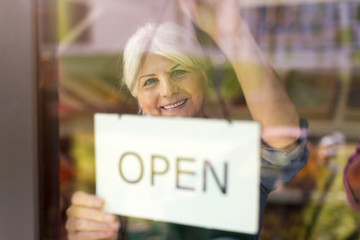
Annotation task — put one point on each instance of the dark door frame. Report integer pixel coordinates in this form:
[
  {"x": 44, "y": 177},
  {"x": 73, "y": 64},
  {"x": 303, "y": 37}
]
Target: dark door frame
[{"x": 29, "y": 172}]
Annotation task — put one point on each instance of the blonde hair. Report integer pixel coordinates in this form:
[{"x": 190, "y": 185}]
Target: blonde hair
[{"x": 169, "y": 40}]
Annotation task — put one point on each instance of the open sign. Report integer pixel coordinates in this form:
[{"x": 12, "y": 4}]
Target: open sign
[
  {"x": 179, "y": 171},
  {"x": 197, "y": 172}
]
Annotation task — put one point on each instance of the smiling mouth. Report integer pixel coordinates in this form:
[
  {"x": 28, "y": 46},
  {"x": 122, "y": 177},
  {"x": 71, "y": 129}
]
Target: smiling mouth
[{"x": 175, "y": 105}]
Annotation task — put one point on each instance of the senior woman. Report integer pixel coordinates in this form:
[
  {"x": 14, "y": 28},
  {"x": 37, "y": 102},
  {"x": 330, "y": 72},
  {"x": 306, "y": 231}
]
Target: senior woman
[{"x": 164, "y": 68}]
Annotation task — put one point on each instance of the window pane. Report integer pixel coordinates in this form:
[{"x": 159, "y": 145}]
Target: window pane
[{"x": 313, "y": 48}]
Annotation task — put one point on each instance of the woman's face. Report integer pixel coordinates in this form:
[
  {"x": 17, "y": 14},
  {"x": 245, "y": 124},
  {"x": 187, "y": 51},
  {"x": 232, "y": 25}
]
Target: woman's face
[{"x": 167, "y": 88}]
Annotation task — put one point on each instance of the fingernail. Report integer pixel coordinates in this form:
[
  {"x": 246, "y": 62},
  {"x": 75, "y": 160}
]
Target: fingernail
[
  {"x": 114, "y": 225},
  {"x": 97, "y": 202}
]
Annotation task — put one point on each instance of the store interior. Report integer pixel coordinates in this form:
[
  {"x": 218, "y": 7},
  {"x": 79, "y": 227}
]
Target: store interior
[{"x": 313, "y": 46}]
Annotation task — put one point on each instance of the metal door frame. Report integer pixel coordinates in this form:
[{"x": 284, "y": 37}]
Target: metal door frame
[{"x": 28, "y": 124}]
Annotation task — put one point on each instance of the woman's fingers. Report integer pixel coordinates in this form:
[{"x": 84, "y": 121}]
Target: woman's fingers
[
  {"x": 213, "y": 17},
  {"x": 87, "y": 221},
  {"x": 81, "y": 198},
  {"x": 93, "y": 214},
  {"x": 91, "y": 235},
  {"x": 74, "y": 224},
  {"x": 201, "y": 12}
]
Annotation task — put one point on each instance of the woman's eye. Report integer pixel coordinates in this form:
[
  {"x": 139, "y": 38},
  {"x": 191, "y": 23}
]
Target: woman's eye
[
  {"x": 178, "y": 73},
  {"x": 149, "y": 81}
]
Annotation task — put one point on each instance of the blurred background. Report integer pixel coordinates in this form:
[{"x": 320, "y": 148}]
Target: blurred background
[{"x": 313, "y": 45}]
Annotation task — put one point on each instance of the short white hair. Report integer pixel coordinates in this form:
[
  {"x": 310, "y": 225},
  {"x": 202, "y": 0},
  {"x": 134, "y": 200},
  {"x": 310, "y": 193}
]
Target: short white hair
[{"x": 169, "y": 40}]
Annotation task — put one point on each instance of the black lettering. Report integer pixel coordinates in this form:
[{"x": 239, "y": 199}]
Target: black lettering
[
  {"x": 178, "y": 172},
  {"x": 141, "y": 167},
  {"x": 153, "y": 172},
  {"x": 223, "y": 187}
]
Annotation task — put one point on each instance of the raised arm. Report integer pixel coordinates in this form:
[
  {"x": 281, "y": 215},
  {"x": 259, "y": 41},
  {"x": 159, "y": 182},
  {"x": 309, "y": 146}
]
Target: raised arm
[{"x": 266, "y": 98}]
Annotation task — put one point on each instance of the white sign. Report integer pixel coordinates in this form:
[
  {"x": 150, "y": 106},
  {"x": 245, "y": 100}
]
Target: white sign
[{"x": 199, "y": 172}]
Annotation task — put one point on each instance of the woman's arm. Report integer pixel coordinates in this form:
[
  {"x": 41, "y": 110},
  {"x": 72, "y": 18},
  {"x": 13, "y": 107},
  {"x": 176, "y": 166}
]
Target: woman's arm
[{"x": 266, "y": 98}]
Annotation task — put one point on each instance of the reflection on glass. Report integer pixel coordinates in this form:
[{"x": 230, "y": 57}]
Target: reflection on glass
[{"x": 314, "y": 49}]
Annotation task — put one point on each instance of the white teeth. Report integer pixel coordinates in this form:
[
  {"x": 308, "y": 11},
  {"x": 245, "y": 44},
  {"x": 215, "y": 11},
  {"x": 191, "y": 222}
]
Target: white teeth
[{"x": 174, "y": 105}]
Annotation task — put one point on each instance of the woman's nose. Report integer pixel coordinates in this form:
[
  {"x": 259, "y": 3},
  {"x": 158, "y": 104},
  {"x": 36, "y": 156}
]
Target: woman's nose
[{"x": 168, "y": 87}]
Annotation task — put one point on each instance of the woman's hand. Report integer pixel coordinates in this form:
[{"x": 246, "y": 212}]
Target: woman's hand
[
  {"x": 218, "y": 18},
  {"x": 87, "y": 220}
]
